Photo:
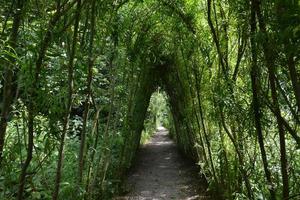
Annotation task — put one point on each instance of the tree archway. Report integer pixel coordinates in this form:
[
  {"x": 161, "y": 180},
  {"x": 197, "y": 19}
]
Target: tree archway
[{"x": 230, "y": 70}]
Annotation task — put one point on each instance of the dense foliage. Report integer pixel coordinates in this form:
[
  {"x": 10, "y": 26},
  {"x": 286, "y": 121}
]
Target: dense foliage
[{"x": 77, "y": 78}]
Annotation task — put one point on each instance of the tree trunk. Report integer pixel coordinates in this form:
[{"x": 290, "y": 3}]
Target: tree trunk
[
  {"x": 9, "y": 74},
  {"x": 256, "y": 103},
  {"x": 284, "y": 13},
  {"x": 69, "y": 103},
  {"x": 88, "y": 95},
  {"x": 29, "y": 155},
  {"x": 269, "y": 57},
  {"x": 32, "y": 91},
  {"x": 222, "y": 59},
  {"x": 294, "y": 77},
  {"x": 239, "y": 156}
]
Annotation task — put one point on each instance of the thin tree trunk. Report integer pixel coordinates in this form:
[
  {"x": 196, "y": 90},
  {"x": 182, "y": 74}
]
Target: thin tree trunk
[
  {"x": 269, "y": 57},
  {"x": 206, "y": 138},
  {"x": 294, "y": 78},
  {"x": 239, "y": 154},
  {"x": 88, "y": 95},
  {"x": 199, "y": 122},
  {"x": 284, "y": 13},
  {"x": 92, "y": 157},
  {"x": 285, "y": 124},
  {"x": 241, "y": 51},
  {"x": 32, "y": 91},
  {"x": 256, "y": 104},
  {"x": 222, "y": 59},
  {"x": 226, "y": 180},
  {"x": 9, "y": 74},
  {"x": 104, "y": 160},
  {"x": 106, "y": 154},
  {"x": 29, "y": 155},
  {"x": 69, "y": 103}
]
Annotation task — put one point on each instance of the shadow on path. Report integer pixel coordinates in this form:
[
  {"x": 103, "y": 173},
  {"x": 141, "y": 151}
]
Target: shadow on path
[{"x": 162, "y": 173}]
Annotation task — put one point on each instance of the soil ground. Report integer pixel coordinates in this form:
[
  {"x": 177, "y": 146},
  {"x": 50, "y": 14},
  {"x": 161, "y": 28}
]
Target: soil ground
[{"x": 161, "y": 172}]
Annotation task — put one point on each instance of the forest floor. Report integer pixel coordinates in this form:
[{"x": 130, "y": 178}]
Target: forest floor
[{"x": 161, "y": 172}]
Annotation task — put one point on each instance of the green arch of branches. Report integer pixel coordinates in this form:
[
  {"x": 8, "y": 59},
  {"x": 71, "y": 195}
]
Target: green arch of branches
[
  {"x": 160, "y": 56},
  {"x": 168, "y": 78}
]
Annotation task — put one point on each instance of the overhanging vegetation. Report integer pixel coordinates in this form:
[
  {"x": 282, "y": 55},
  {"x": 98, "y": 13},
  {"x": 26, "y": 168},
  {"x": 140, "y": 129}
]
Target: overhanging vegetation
[{"x": 77, "y": 77}]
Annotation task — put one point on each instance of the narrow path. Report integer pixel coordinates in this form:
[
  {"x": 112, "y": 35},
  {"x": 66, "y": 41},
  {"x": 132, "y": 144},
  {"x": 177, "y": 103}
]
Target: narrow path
[{"x": 162, "y": 173}]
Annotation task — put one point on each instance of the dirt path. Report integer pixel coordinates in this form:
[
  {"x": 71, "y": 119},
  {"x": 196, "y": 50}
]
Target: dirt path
[{"x": 162, "y": 173}]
